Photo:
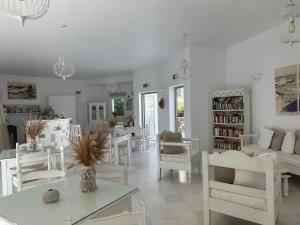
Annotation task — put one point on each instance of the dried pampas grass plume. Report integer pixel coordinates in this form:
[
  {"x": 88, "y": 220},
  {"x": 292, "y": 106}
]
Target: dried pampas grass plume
[{"x": 34, "y": 128}]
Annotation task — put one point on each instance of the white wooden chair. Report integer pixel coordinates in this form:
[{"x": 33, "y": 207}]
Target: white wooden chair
[
  {"x": 29, "y": 172},
  {"x": 187, "y": 161},
  {"x": 126, "y": 218},
  {"x": 248, "y": 203},
  {"x": 113, "y": 173},
  {"x": 108, "y": 151}
]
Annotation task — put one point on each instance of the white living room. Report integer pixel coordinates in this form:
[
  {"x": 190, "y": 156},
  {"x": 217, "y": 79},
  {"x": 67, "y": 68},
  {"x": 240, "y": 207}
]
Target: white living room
[{"x": 149, "y": 112}]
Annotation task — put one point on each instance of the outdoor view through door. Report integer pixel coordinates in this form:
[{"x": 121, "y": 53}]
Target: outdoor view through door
[
  {"x": 179, "y": 109},
  {"x": 149, "y": 113}
]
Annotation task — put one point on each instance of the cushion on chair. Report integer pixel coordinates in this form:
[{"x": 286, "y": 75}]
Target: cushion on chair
[
  {"x": 168, "y": 136},
  {"x": 224, "y": 175},
  {"x": 265, "y": 138},
  {"x": 297, "y": 144},
  {"x": 288, "y": 144},
  {"x": 277, "y": 139}
]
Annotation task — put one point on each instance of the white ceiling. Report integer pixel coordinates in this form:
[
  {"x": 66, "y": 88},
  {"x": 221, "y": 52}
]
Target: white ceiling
[{"x": 132, "y": 33}]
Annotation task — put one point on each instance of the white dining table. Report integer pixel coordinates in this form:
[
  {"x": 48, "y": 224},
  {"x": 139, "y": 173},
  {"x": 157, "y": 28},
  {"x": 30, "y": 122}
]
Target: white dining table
[
  {"x": 73, "y": 208},
  {"x": 8, "y": 161}
]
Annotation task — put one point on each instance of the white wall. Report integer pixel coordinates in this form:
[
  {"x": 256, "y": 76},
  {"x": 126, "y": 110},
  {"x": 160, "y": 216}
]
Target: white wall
[
  {"x": 46, "y": 87},
  {"x": 208, "y": 73},
  {"x": 262, "y": 54},
  {"x": 99, "y": 93}
]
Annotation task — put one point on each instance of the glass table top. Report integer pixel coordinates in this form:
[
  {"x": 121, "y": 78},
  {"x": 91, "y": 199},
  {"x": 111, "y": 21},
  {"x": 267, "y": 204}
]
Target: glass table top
[{"x": 28, "y": 208}]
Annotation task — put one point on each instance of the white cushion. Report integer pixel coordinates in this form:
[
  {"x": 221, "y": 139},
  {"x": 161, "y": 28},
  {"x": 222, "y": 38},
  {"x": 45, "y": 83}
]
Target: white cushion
[
  {"x": 265, "y": 138},
  {"x": 288, "y": 144},
  {"x": 253, "y": 202},
  {"x": 250, "y": 179}
]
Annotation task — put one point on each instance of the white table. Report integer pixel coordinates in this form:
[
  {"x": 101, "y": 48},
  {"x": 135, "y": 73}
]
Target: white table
[
  {"x": 28, "y": 208},
  {"x": 116, "y": 141},
  {"x": 8, "y": 161}
]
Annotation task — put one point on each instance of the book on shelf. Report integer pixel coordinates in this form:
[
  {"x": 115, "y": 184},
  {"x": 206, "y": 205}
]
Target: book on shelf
[
  {"x": 227, "y": 145},
  {"x": 228, "y": 103},
  {"x": 227, "y": 131},
  {"x": 231, "y": 118}
]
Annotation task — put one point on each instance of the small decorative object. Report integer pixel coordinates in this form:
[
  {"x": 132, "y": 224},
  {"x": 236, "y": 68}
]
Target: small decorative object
[
  {"x": 21, "y": 90},
  {"x": 88, "y": 151},
  {"x": 33, "y": 129},
  {"x": 161, "y": 103},
  {"x": 51, "y": 196},
  {"x": 24, "y": 9}
]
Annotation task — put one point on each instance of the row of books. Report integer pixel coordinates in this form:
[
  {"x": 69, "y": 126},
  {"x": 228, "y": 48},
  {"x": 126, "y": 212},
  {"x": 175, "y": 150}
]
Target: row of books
[
  {"x": 22, "y": 108},
  {"x": 228, "y": 118},
  {"x": 228, "y": 103},
  {"x": 227, "y": 131},
  {"x": 227, "y": 145}
]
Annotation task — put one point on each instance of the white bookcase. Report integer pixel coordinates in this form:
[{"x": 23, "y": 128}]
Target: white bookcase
[{"x": 230, "y": 118}]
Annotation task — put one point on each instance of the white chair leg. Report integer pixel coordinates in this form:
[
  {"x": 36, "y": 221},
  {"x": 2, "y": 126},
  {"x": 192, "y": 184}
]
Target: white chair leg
[
  {"x": 206, "y": 216},
  {"x": 190, "y": 177},
  {"x": 159, "y": 173}
]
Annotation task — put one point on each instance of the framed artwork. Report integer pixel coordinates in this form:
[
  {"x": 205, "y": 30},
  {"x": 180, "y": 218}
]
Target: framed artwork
[
  {"x": 287, "y": 90},
  {"x": 21, "y": 90}
]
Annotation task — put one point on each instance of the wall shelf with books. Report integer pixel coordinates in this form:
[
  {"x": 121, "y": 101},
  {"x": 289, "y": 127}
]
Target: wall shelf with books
[{"x": 230, "y": 118}]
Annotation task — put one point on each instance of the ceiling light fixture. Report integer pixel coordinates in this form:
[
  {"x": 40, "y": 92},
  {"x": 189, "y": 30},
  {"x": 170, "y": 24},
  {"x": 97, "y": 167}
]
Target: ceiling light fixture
[
  {"x": 24, "y": 9},
  {"x": 112, "y": 85},
  {"x": 183, "y": 70},
  {"x": 63, "y": 68},
  {"x": 291, "y": 13}
]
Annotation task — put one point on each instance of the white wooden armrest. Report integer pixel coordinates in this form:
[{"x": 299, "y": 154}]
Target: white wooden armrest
[
  {"x": 175, "y": 144},
  {"x": 191, "y": 139}
]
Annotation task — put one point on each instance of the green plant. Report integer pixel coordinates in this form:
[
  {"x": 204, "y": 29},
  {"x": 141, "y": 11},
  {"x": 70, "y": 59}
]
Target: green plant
[
  {"x": 118, "y": 104},
  {"x": 180, "y": 109}
]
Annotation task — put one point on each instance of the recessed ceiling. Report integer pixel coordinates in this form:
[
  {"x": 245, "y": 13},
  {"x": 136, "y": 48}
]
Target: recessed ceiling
[{"x": 132, "y": 33}]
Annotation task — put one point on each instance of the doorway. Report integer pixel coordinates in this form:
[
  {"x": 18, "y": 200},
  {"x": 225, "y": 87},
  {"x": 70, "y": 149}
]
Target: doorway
[
  {"x": 179, "y": 109},
  {"x": 149, "y": 113}
]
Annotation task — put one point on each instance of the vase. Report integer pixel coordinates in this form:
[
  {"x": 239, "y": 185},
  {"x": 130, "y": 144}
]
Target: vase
[
  {"x": 88, "y": 179},
  {"x": 33, "y": 143}
]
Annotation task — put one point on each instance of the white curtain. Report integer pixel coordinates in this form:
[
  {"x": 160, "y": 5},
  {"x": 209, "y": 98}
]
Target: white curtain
[{"x": 4, "y": 140}]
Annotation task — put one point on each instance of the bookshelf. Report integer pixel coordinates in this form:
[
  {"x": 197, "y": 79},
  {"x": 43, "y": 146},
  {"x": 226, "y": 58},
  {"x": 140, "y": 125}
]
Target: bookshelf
[{"x": 230, "y": 118}]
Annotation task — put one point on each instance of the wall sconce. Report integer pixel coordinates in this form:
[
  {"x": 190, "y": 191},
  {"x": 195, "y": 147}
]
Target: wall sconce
[{"x": 256, "y": 76}]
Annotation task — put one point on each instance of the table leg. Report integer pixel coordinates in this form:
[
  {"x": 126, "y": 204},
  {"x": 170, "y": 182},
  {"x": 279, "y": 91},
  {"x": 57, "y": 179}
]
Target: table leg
[
  {"x": 129, "y": 151},
  {"x": 285, "y": 186},
  {"x": 4, "y": 177},
  {"x": 116, "y": 152}
]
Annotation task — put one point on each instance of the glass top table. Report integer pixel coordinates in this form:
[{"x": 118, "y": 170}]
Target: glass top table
[{"x": 28, "y": 208}]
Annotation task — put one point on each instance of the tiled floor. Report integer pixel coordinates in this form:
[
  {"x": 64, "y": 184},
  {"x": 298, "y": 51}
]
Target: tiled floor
[{"x": 172, "y": 201}]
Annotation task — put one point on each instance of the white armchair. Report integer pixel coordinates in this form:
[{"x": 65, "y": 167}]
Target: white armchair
[
  {"x": 187, "y": 160},
  {"x": 256, "y": 204}
]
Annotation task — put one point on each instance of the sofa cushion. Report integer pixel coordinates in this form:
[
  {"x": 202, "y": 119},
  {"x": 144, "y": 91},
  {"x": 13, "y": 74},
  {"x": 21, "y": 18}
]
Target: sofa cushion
[
  {"x": 224, "y": 175},
  {"x": 168, "y": 136},
  {"x": 265, "y": 138},
  {"x": 288, "y": 144},
  {"x": 277, "y": 139},
  {"x": 297, "y": 144}
]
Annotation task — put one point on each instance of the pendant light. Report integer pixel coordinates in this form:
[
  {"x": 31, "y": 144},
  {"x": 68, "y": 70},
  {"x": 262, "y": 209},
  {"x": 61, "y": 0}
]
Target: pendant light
[
  {"x": 183, "y": 70},
  {"x": 63, "y": 68}
]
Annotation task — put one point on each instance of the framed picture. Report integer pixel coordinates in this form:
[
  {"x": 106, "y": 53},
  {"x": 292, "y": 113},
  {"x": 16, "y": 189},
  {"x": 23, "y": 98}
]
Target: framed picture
[
  {"x": 21, "y": 90},
  {"x": 287, "y": 90}
]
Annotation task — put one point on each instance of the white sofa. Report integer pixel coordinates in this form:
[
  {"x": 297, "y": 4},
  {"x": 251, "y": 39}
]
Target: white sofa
[{"x": 289, "y": 162}]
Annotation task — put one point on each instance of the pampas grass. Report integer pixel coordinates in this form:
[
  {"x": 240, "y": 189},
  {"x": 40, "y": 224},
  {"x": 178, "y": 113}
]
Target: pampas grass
[
  {"x": 34, "y": 128},
  {"x": 89, "y": 149}
]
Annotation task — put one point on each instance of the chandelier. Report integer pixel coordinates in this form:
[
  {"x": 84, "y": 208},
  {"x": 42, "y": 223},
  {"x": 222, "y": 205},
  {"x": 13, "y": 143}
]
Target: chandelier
[
  {"x": 291, "y": 13},
  {"x": 182, "y": 71},
  {"x": 24, "y": 9},
  {"x": 63, "y": 68}
]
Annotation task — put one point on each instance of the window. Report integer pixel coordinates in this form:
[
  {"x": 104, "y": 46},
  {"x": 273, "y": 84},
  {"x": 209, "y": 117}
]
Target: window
[
  {"x": 179, "y": 109},
  {"x": 118, "y": 105}
]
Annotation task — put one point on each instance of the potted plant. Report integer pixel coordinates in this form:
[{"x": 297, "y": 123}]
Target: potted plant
[
  {"x": 33, "y": 129},
  {"x": 88, "y": 152}
]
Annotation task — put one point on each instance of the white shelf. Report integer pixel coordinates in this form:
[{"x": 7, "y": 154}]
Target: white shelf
[
  {"x": 228, "y": 110},
  {"x": 238, "y": 138},
  {"x": 229, "y": 124}
]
